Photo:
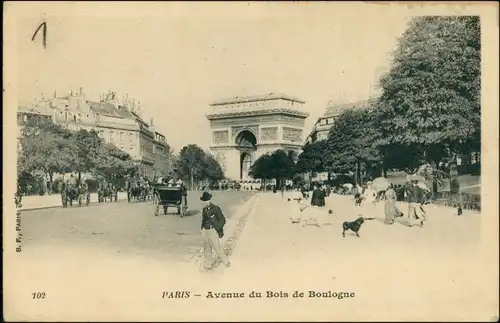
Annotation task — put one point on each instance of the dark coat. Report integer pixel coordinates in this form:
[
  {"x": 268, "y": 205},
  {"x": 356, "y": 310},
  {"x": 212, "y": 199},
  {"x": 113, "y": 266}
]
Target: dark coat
[
  {"x": 212, "y": 217},
  {"x": 318, "y": 197}
]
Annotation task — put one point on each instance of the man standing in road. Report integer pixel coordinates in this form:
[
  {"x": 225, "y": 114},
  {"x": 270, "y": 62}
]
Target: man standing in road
[
  {"x": 415, "y": 204},
  {"x": 212, "y": 229}
]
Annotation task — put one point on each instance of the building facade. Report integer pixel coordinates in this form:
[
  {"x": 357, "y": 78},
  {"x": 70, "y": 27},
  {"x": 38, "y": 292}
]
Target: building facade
[
  {"x": 245, "y": 128},
  {"x": 116, "y": 122},
  {"x": 322, "y": 126},
  {"x": 161, "y": 151}
]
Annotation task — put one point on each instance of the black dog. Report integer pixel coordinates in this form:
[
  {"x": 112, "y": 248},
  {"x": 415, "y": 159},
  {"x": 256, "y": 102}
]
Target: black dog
[{"x": 353, "y": 226}]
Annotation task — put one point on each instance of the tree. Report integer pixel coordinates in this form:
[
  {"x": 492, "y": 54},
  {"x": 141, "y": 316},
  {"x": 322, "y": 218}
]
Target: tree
[
  {"x": 312, "y": 158},
  {"x": 90, "y": 151},
  {"x": 430, "y": 104},
  {"x": 191, "y": 163},
  {"x": 277, "y": 165},
  {"x": 113, "y": 162},
  {"x": 350, "y": 144},
  {"x": 212, "y": 170},
  {"x": 284, "y": 167},
  {"x": 46, "y": 147},
  {"x": 263, "y": 167}
]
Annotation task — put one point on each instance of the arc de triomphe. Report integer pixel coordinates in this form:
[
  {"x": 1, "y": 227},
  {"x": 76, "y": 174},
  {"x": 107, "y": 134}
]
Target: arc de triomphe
[{"x": 245, "y": 128}]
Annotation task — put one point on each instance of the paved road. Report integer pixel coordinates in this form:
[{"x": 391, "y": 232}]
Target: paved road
[
  {"x": 396, "y": 272},
  {"x": 125, "y": 228}
]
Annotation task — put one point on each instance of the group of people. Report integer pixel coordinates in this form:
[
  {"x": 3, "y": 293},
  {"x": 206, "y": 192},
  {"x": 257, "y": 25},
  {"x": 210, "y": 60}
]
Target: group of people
[
  {"x": 316, "y": 212},
  {"x": 413, "y": 193},
  {"x": 416, "y": 198}
]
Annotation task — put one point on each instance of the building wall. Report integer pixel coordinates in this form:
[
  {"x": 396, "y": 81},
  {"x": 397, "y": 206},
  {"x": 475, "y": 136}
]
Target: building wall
[
  {"x": 161, "y": 151},
  {"x": 128, "y": 134}
]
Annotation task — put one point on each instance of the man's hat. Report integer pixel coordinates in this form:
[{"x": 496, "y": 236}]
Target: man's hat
[
  {"x": 206, "y": 197},
  {"x": 179, "y": 182},
  {"x": 171, "y": 181}
]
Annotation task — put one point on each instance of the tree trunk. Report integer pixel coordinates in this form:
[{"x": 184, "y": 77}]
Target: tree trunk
[
  {"x": 384, "y": 172},
  {"x": 79, "y": 176},
  {"x": 358, "y": 172},
  {"x": 191, "y": 181},
  {"x": 51, "y": 180}
]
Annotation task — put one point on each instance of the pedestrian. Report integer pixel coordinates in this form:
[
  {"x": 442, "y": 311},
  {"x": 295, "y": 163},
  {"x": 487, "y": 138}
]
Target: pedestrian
[
  {"x": 318, "y": 196},
  {"x": 456, "y": 197},
  {"x": 390, "y": 205},
  {"x": 296, "y": 206},
  {"x": 171, "y": 183},
  {"x": 282, "y": 191},
  {"x": 212, "y": 229},
  {"x": 415, "y": 201}
]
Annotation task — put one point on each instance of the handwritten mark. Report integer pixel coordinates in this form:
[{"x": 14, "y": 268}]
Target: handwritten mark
[{"x": 42, "y": 26}]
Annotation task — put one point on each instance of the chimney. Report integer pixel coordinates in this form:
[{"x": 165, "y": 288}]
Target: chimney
[
  {"x": 152, "y": 122},
  {"x": 55, "y": 94},
  {"x": 81, "y": 90}
]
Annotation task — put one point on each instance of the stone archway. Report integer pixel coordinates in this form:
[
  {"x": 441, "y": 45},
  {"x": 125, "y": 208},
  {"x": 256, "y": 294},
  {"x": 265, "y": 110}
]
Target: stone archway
[{"x": 246, "y": 143}]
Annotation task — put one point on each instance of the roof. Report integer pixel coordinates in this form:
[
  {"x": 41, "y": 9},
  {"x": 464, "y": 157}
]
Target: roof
[
  {"x": 135, "y": 115},
  {"x": 335, "y": 110},
  {"x": 104, "y": 108},
  {"x": 41, "y": 108},
  {"x": 110, "y": 110},
  {"x": 266, "y": 97}
]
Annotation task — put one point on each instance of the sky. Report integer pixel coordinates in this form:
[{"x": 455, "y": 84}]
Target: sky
[{"x": 177, "y": 58}]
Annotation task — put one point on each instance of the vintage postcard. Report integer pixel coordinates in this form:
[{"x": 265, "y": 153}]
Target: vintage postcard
[{"x": 250, "y": 161}]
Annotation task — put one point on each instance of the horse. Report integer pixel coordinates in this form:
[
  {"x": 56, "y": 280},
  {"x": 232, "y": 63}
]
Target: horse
[
  {"x": 134, "y": 191},
  {"x": 74, "y": 192},
  {"x": 84, "y": 194},
  {"x": 106, "y": 191}
]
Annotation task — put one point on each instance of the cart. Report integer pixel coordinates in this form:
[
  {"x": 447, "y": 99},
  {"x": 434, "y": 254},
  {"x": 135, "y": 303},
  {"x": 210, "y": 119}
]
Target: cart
[{"x": 165, "y": 196}]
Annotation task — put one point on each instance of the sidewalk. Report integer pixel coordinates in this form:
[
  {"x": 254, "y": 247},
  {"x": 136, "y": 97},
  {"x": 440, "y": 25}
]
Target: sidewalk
[
  {"x": 397, "y": 271},
  {"x": 34, "y": 202}
]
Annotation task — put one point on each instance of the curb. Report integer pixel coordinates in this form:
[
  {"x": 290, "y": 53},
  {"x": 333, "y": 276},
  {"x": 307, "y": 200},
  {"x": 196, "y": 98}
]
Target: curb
[
  {"x": 236, "y": 225},
  {"x": 73, "y": 207}
]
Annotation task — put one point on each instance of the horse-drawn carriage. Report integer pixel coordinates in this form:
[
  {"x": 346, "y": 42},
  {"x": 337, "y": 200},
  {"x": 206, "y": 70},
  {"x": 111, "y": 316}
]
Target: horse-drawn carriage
[
  {"x": 165, "y": 196},
  {"x": 74, "y": 192}
]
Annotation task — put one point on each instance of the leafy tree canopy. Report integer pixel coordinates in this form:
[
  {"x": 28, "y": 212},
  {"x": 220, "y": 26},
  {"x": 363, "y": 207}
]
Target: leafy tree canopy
[
  {"x": 278, "y": 165},
  {"x": 351, "y": 141},
  {"x": 195, "y": 164},
  {"x": 313, "y": 157},
  {"x": 431, "y": 96}
]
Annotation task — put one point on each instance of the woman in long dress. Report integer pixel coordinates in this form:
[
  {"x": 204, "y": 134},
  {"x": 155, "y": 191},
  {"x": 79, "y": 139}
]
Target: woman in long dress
[{"x": 390, "y": 205}]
